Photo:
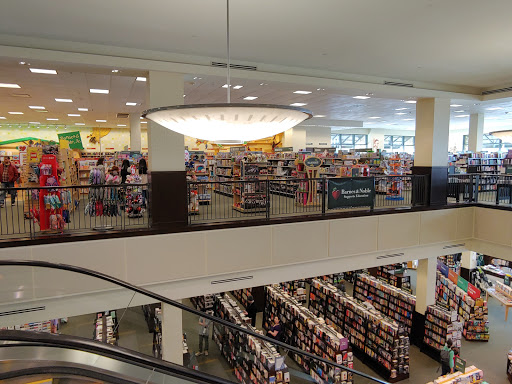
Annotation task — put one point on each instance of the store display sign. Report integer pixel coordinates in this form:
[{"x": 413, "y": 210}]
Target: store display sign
[
  {"x": 313, "y": 162},
  {"x": 34, "y": 155},
  {"x": 473, "y": 291},
  {"x": 343, "y": 193},
  {"x": 343, "y": 344},
  {"x": 460, "y": 364},
  {"x": 73, "y": 138},
  {"x": 443, "y": 268},
  {"x": 454, "y": 278},
  {"x": 462, "y": 284},
  {"x": 284, "y": 149}
]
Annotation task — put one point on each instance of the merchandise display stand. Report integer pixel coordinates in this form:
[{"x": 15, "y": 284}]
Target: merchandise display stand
[
  {"x": 250, "y": 197},
  {"x": 252, "y": 359},
  {"x": 50, "y": 206},
  {"x": 394, "y": 184},
  {"x": 380, "y": 342},
  {"x": 106, "y": 327},
  {"x": 471, "y": 375},
  {"x": 440, "y": 325},
  {"x": 476, "y": 328},
  {"x": 307, "y": 191},
  {"x": 502, "y": 293},
  {"x": 304, "y": 330}
]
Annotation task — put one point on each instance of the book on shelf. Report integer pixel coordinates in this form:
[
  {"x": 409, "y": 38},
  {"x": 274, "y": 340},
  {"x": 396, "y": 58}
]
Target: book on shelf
[{"x": 441, "y": 325}]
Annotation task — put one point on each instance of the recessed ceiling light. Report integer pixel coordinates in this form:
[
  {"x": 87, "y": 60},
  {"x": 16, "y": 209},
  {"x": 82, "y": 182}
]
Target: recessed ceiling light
[
  {"x": 115, "y": 70},
  {"x": 400, "y": 109},
  {"x": 102, "y": 91},
  {"x": 44, "y": 71},
  {"x": 318, "y": 115},
  {"x": 455, "y": 105},
  {"x": 7, "y": 85},
  {"x": 408, "y": 119},
  {"x": 459, "y": 111},
  {"x": 320, "y": 89},
  {"x": 493, "y": 108},
  {"x": 52, "y": 119},
  {"x": 131, "y": 104},
  {"x": 141, "y": 118},
  {"x": 79, "y": 124},
  {"x": 143, "y": 122},
  {"x": 462, "y": 116},
  {"x": 263, "y": 84},
  {"x": 2, "y": 118},
  {"x": 73, "y": 114},
  {"x": 15, "y": 113},
  {"x": 36, "y": 107},
  {"x": 400, "y": 113},
  {"x": 238, "y": 86},
  {"x": 250, "y": 97},
  {"x": 184, "y": 95},
  {"x": 101, "y": 121},
  {"x": 374, "y": 117},
  {"x": 410, "y": 101},
  {"x": 64, "y": 100},
  {"x": 298, "y": 104},
  {"x": 34, "y": 122},
  {"x": 41, "y": 110},
  {"x": 22, "y": 62},
  {"x": 121, "y": 125},
  {"x": 361, "y": 97},
  {"x": 302, "y": 92},
  {"x": 83, "y": 109},
  {"x": 140, "y": 78}
]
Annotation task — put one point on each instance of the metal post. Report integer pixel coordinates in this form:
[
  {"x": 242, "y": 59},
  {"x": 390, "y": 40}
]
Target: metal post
[
  {"x": 477, "y": 185},
  {"x": 267, "y": 205},
  {"x": 324, "y": 194},
  {"x": 374, "y": 195}
]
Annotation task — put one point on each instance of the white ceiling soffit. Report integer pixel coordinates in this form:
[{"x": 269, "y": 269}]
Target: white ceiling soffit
[
  {"x": 318, "y": 122},
  {"x": 371, "y": 41}
]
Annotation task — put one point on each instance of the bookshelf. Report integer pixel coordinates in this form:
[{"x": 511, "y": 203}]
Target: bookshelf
[
  {"x": 257, "y": 293},
  {"x": 476, "y": 328},
  {"x": 440, "y": 325},
  {"x": 223, "y": 170},
  {"x": 296, "y": 289},
  {"x": 203, "y": 302},
  {"x": 106, "y": 327}
]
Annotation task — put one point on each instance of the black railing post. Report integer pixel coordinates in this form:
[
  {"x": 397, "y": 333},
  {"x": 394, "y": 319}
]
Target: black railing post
[
  {"x": 267, "y": 206},
  {"x": 372, "y": 207},
  {"x": 324, "y": 194},
  {"x": 477, "y": 187}
]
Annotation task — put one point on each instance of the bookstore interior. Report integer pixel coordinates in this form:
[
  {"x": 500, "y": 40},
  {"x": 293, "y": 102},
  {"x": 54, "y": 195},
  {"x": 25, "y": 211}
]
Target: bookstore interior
[{"x": 363, "y": 320}]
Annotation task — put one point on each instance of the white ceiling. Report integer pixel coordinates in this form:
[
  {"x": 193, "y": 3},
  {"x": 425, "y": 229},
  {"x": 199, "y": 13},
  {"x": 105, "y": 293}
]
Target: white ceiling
[
  {"x": 74, "y": 81},
  {"x": 463, "y": 42}
]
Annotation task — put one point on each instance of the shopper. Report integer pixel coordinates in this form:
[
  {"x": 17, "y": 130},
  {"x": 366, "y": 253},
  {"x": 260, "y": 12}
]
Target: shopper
[
  {"x": 143, "y": 173},
  {"x": 447, "y": 358},
  {"x": 456, "y": 352},
  {"x": 9, "y": 175},
  {"x": 204, "y": 335},
  {"x": 125, "y": 170},
  {"x": 252, "y": 310},
  {"x": 275, "y": 330},
  {"x": 101, "y": 161}
]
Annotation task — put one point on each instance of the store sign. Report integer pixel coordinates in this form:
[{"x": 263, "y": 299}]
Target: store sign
[
  {"x": 284, "y": 149},
  {"x": 73, "y": 138},
  {"x": 313, "y": 162},
  {"x": 443, "y": 268},
  {"x": 460, "y": 365},
  {"x": 343, "y": 193},
  {"x": 462, "y": 284},
  {"x": 506, "y": 280},
  {"x": 343, "y": 344},
  {"x": 34, "y": 155},
  {"x": 473, "y": 291},
  {"x": 454, "y": 278}
]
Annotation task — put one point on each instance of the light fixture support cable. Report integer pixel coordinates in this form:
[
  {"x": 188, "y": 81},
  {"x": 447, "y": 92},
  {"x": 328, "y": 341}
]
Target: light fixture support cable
[{"x": 229, "y": 52}]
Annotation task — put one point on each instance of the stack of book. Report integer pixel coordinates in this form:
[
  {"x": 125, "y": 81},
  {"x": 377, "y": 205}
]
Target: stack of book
[{"x": 477, "y": 327}]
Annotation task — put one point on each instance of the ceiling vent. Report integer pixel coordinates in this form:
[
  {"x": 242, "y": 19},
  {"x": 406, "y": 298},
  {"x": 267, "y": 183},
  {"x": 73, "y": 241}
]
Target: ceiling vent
[
  {"x": 123, "y": 115},
  {"x": 25, "y": 95},
  {"x": 394, "y": 83},
  {"x": 234, "y": 66},
  {"x": 390, "y": 255},
  {"x": 454, "y": 246},
  {"x": 231, "y": 280},
  {"x": 20, "y": 311},
  {"x": 501, "y": 90}
]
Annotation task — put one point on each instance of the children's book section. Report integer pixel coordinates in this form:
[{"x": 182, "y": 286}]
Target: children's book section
[{"x": 285, "y": 169}]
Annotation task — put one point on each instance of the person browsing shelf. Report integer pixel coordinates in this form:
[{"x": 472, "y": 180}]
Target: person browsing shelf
[
  {"x": 275, "y": 330},
  {"x": 447, "y": 358},
  {"x": 9, "y": 175},
  {"x": 143, "y": 173},
  {"x": 204, "y": 334},
  {"x": 252, "y": 310},
  {"x": 125, "y": 170}
]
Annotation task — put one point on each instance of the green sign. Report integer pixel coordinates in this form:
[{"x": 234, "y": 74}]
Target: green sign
[
  {"x": 343, "y": 193},
  {"x": 74, "y": 139},
  {"x": 506, "y": 279},
  {"x": 462, "y": 284},
  {"x": 460, "y": 365}
]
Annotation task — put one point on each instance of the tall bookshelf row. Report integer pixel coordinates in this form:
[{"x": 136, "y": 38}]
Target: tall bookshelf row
[
  {"x": 296, "y": 289},
  {"x": 381, "y": 342},
  {"x": 391, "y": 301},
  {"x": 440, "y": 325},
  {"x": 304, "y": 330},
  {"x": 253, "y": 360},
  {"x": 394, "y": 275},
  {"x": 106, "y": 327},
  {"x": 47, "y": 326},
  {"x": 203, "y": 302}
]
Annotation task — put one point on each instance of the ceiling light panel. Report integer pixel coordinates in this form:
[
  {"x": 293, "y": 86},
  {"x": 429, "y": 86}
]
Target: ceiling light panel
[
  {"x": 455, "y": 105},
  {"x": 100, "y": 91},
  {"x": 64, "y": 100},
  {"x": 140, "y": 78},
  {"x": 130, "y": 104},
  {"x": 36, "y": 107},
  {"x": 361, "y": 97},
  {"x": 83, "y": 109},
  {"x": 410, "y": 101},
  {"x": 73, "y": 114},
  {"x": 250, "y": 98},
  {"x": 15, "y": 113},
  {"x": 101, "y": 121},
  {"x": 494, "y": 108},
  {"x": 8, "y": 85},
  {"x": 43, "y": 71},
  {"x": 298, "y": 104},
  {"x": 302, "y": 92}
]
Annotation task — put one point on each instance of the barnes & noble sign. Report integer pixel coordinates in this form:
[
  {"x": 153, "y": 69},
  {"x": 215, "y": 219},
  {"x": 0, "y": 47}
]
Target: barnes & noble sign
[{"x": 344, "y": 193}]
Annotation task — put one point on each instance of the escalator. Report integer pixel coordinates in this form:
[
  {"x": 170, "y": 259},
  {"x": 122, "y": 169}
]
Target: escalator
[{"x": 29, "y": 289}]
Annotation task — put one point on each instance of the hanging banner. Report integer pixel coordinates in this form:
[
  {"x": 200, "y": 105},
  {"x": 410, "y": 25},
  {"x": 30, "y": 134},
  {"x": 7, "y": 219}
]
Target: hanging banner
[
  {"x": 73, "y": 138},
  {"x": 462, "y": 284},
  {"x": 454, "y": 278},
  {"x": 343, "y": 193},
  {"x": 443, "y": 268},
  {"x": 473, "y": 291}
]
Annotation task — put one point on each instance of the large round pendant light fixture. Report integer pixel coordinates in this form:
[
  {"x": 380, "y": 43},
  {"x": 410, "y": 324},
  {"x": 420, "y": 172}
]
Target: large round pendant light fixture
[
  {"x": 229, "y": 122},
  {"x": 505, "y": 136}
]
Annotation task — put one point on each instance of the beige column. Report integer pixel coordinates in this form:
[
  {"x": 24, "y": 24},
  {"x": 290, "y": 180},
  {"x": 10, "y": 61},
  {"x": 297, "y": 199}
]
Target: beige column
[
  {"x": 425, "y": 284},
  {"x": 476, "y": 132},
  {"x": 468, "y": 260},
  {"x": 296, "y": 138},
  {"x": 172, "y": 334},
  {"x": 135, "y": 134}
]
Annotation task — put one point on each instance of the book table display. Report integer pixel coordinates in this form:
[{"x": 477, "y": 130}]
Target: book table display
[
  {"x": 381, "y": 342},
  {"x": 304, "y": 330},
  {"x": 253, "y": 360},
  {"x": 502, "y": 293},
  {"x": 471, "y": 375},
  {"x": 509, "y": 365}
]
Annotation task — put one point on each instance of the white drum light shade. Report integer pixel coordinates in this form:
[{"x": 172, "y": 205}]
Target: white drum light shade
[
  {"x": 505, "y": 136},
  {"x": 228, "y": 122}
]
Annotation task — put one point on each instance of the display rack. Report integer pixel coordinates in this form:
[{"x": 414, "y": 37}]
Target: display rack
[
  {"x": 47, "y": 326},
  {"x": 380, "y": 342},
  {"x": 394, "y": 275},
  {"x": 106, "y": 327},
  {"x": 224, "y": 172},
  {"x": 440, "y": 325},
  {"x": 251, "y": 195},
  {"x": 476, "y": 328},
  {"x": 304, "y": 330},
  {"x": 253, "y": 360},
  {"x": 296, "y": 289},
  {"x": 202, "y": 303},
  {"x": 471, "y": 375},
  {"x": 452, "y": 261}
]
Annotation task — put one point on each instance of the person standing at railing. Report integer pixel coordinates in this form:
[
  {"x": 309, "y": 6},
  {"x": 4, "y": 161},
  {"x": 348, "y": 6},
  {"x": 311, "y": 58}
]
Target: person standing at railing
[
  {"x": 9, "y": 175},
  {"x": 143, "y": 173}
]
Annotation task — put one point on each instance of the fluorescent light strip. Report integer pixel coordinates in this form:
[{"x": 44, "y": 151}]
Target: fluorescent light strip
[
  {"x": 374, "y": 117},
  {"x": 101, "y": 121},
  {"x": 410, "y": 101},
  {"x": 51, "y": 119},
  {"x": 408, "y": 119},
  {"x": 15, "y": 113},
  {"x": 36, "y": 107},
  {"x": 318, "y": 115},
  {"x": 83, "y": 109},
  {"x": 79, "y": 124},
  {"x": 298, "y": 104},
  {"x": 121, "y": 125},
  {"x": 63, "y": 100},
  {"x": 400, "y": 109},
  {"x": 250, "y": 98},
  {"x": 34, "y": 122},
  {"x": 44, "y": 71},
  {"x": 361, "y": 97},
  {"x": 401, "y": 113},
  {"x": 7, "y": 85},
  {"x": 462, "y": 116},
  {"x": 459, "y": 111},
  {"x": 140, "y": 78},
  {"x": 131, "y": 104},
  {"x": 455, "y": 105},
  {"x": 101, "y": 91},
  {"x": 303, "y": 92},
  {"x": 73, "y": 114},
  {"x": 2, "y": 118},
  {"x": 494, "y": 108}
]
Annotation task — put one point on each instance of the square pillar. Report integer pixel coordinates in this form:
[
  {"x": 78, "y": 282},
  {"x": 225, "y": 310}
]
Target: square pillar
[
  {"x": 431, "y": 152},
  {"x": 172, "y": 334},
  {"x": 425, "y": 295},
  {"x": 476, "y": 132},
  {"x": 168, "y": 195},
  {"x": 135, "y": 133}
]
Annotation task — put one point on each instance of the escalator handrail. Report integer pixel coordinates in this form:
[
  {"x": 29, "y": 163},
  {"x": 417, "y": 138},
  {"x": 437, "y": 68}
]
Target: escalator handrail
[
  {"x": 183, "y": 307},
  {"x": 42, "y": 339}
]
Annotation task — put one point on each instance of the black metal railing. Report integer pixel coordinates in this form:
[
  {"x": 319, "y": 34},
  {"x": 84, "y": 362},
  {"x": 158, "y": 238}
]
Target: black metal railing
[
  {"x": 480, "y": 188},
  {"x": 217, "y": 201},
  {"x": 35, "y": 211}
]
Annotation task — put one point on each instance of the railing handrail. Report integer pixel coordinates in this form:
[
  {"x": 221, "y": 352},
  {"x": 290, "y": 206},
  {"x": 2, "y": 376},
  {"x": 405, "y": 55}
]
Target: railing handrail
[
  {"x": 47, "y": 187},
  {"x": 322, "y": 178},
  {"x": 183, "y": 307}
]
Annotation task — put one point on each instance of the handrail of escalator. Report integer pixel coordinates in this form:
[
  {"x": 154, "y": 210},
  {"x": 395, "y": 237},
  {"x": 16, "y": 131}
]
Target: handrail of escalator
[
  {"x": 183, "y": 307},
  {"x": 41, "y": 339}
]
